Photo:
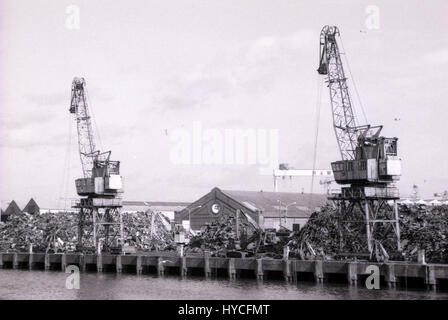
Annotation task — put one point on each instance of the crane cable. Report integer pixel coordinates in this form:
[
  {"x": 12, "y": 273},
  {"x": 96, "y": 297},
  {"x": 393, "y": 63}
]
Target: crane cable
[
  {"x": 353, "y": 80},
  {"x": 316, "y": 133},
  {"x": 63, "y": 191}
]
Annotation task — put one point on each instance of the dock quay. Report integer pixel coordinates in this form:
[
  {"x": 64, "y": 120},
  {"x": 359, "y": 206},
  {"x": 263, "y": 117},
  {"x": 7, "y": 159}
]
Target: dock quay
[{"x": 393, "y": 274}]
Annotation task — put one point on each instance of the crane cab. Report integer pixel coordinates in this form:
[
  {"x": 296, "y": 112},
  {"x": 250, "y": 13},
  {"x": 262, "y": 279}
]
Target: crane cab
[
  {"x": 105, "y": 178},
  {"x": 376, "y": 162}
]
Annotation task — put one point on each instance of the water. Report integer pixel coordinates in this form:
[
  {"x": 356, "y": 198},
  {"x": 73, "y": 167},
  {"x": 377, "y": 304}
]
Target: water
[{"x": 24, "y": 284}]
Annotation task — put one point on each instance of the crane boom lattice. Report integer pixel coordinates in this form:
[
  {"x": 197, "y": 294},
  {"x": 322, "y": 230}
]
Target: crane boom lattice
[{"x": 86, "y": 142}]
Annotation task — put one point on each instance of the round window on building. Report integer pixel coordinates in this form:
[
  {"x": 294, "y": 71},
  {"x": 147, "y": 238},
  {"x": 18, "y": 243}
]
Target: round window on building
[{"x": 216, "y": 208}]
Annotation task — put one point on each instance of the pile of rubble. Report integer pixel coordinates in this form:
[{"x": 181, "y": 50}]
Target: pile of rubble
[
  {"x": 41, "y": 231},
  {"x": 421, "y": 228},
  {"x": 58, "y": 232},
  {"x": 318, "y": 238},
  {"x": 427, "y": 229},
  {"x": 221, "y": 239},
  {"x": 220, "y": 236},
  {"x": 326, "y": 236},
  {"x": 148, "y": 231}
]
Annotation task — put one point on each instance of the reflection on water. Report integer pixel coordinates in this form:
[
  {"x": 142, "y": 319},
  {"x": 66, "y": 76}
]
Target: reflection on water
[{"x": 24, "y": 284}]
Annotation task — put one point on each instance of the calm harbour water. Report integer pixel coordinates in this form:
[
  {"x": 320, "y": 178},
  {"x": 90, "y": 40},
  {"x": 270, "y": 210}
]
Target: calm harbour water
[{"x": 24, "y": 284}]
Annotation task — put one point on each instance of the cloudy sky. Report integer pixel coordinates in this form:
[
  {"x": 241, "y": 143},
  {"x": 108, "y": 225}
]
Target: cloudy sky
[{"x": 154, "y": 68}]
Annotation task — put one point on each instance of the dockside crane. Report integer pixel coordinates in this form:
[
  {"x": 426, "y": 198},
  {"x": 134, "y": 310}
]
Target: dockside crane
[
  {"x": 100, "y": 223},
  {"x": 369, "y": 165}
]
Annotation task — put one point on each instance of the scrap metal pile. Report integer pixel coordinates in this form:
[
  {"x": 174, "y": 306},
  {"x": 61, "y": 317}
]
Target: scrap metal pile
[
  {"x": 221, "y": 239},
  {"x": 320, "y": 236},
  {"x": 220, "y": 236},
  {"x": 427, "y": 229},
  {"x": 57, "y": 232},
  {"x": 43, "y": 232},
  {"x": 147, "y": 231},
  {"x": 421, "y": 228}
]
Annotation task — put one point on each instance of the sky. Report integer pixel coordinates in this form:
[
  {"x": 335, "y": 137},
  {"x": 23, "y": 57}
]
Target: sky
[{"x": 157, "y": 70}]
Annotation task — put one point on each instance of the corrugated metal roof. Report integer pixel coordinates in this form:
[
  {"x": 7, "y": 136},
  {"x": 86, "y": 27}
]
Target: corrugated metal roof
[
  {"x": 167, "y": 208},
  {"x": 134, "y": 208},
  {"x": 155, "y": 203},
  {"x": 268, "y": 202}
]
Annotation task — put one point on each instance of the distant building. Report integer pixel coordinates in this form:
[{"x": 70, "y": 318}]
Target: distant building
[
  {"x": 31, "y": 207},
  {"x": 422, "y": 202},
  {"x": 12, "y": 208},
  {"x": 406, "y": 202},
  {"x": 435, "y": 202},
  {"x": 267, "y": 209},
  {"x": 167, "y": 208},
  {"x": 56, "y": 210}
]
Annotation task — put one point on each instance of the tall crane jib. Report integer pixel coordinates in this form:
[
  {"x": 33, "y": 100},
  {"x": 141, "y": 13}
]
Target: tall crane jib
[
  {"x": 101, "y": 185},
  {"x": 370, "y": 165}
]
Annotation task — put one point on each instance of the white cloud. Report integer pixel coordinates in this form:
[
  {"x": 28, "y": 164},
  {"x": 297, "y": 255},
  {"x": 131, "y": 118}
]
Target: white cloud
[{"x": 249, "y": 68}]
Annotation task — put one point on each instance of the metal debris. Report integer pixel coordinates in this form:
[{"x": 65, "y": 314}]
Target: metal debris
[{"x": 57, "y": 232}]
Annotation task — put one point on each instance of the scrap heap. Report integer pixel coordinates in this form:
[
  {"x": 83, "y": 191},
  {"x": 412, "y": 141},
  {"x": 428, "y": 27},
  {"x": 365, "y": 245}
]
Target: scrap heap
[
  {"x": 223, "y": 239},
  {"x": 427, "y": 229},
  {"x": 57, "y": 232},
  {"x": 147, "y": 231},
  {"x": 51, "y": 230},
  {"x": 421, "y": 228},
  {"x": 318, "y": 237},
  {"x": 221, "y": 236}
]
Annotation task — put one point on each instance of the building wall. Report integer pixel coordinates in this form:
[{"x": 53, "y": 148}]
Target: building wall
[
  {"x": 288, "y": 223},
  {"x": 203, "y": 215}
]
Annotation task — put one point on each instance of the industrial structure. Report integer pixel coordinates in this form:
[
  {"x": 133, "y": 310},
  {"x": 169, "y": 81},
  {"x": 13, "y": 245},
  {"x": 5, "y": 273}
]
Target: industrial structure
[
  {"x": 100, "y": 188},
  {"x": 370, "y": 164},
  {"x": 284, "y": 171}
]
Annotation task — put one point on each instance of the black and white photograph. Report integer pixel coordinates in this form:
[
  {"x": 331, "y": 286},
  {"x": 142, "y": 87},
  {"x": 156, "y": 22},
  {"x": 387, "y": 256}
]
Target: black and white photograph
[{"x": 246, "y": 151}]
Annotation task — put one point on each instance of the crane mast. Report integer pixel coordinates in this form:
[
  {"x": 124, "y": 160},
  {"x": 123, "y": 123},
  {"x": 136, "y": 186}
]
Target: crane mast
[
  {"x": 369, "y": 165},
  {"x": 100, "y": 188}
]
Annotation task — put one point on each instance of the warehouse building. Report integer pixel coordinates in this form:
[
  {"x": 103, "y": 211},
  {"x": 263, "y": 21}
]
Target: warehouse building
[{"x": 266, "y": 209}]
